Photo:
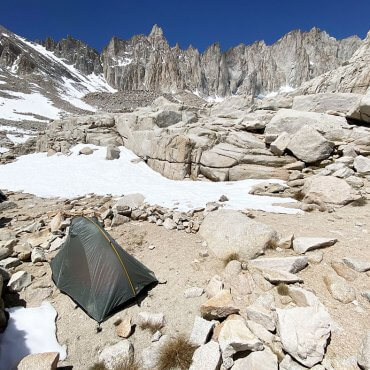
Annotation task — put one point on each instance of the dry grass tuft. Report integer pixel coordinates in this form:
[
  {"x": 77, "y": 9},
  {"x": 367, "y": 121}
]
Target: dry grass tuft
[
  {"x": 359, "y": 202},
  {"x": 231, "y": 257},
  {"x": 98, "y": 366},
  {"x": 283, "y": 289},
  {"x": 176, "y": 353},
  {"x": 152, "y": 326},
  {"x": 272, "y": 244},
  {"x": 298, "y": 196}
]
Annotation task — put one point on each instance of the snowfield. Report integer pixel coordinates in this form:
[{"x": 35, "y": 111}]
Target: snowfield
[{"x": 75, "y": 175}]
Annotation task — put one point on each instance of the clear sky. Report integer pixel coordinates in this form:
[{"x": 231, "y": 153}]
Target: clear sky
[{"x": 199, "y": 23}]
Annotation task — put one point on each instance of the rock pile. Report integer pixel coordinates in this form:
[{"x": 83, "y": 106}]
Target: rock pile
[{"x": 240, "y": 138}]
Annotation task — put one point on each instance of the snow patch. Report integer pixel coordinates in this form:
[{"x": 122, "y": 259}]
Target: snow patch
[
  {"x": 75, "y": 175},
  {"x": 29, "y": 331},
  {"x": 14, "y": 129},
  {"x": 18, "y": 139},
  {"x": 14, "y": 67},
  {"x": 283, "y": 89},
  {"x": 215, "y": 99},
  {"x": 122, "y": 62},
  {"x": 3, "y": 150},
  {"x": 25, "y": 106}
]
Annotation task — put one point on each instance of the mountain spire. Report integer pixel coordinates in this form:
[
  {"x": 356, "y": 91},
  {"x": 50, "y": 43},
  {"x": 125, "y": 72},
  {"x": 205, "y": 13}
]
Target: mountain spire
[{"x": 156, "y": 31}]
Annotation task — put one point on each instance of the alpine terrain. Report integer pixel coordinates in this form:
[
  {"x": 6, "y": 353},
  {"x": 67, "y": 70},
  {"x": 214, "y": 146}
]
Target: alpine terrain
[{"x": 164, "y": 208}]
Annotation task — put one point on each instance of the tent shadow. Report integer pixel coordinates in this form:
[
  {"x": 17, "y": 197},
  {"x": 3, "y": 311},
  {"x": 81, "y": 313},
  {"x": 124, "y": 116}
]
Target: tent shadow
[
  {"x": 4, "y": 221},
  {"x": 133, "y": 301}
]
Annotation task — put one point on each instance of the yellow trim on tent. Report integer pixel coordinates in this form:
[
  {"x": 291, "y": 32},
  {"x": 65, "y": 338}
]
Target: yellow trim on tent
[{"x": 115, "y": 250}]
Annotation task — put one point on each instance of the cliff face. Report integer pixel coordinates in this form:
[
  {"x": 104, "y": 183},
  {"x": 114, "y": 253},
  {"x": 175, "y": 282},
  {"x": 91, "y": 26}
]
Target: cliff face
[
  {"x": 148, "y": 62},
  {"x": 352, "y": 76},
  {"x": 83, "y": 57}
]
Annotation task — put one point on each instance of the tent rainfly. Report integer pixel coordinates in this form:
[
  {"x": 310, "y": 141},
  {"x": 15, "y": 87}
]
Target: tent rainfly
[{"x": 95, "y": 271}]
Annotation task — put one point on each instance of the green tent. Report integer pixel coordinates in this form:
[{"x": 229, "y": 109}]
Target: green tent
[{"x": 95, "y": 271}]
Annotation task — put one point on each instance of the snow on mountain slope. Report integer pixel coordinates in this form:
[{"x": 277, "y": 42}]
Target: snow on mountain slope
[{"x": 36, "y": 85}]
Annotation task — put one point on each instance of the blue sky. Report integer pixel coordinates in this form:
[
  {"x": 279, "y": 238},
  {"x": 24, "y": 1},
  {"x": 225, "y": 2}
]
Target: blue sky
[{"x": 199, "y": 23}]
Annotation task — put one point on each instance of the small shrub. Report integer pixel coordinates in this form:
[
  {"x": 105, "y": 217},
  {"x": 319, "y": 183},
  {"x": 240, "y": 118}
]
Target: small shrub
[
  {"x": 176, "y": 353},
  {"x": 152, "y": 326},
  {"x": 231, "y": 257},
  {"x": 283, "y": 289},
  {"x": 128, "y": 366}
]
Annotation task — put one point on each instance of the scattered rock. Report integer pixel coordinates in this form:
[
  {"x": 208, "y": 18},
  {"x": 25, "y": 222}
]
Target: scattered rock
[
  {"x": 287, "y": 264},
  {"x": 309, "y": 145},
  {"x": 289, "y": 364},
  {"x": 20, "y": 280},
  {"x": 219, "y": 306},
  {"x": 86, "y": 151},
  {"x": 236, "y": 337},
  {"x": 302, "y": 245},
  {"x": 277, "y": 277},
  {"x": 207, "y": 357},
  {"x": 340, "y": 290},
  {"x": 39, "y": 361},
  {"x": 279, "y": 145},
  {"x": 9, "y": 262},
  {"x": 169, "y": 224},
  {"x": 201, "y": 332},
  {"x": 286, "y": 242},
  {"x": 345, "y": 272},
  {"x": 260, "y": 332},
  {"x": 230, "y": 232},
  {"x": 363, "y": 357},
  {"x": 4, "y": 253},
  {"x": 56, "y": 244},
  {"x": 304, "y": 332},
  {"x": 329, "y": 189},
  {"x": 260, "y": 360},
  {"x": 150, "y": 319},
  {"x": 193, "y": 292},
  {"x": 132, "y": 201},
  {"x": 357, "y": 265},
  {"x": 119, "y": 220},
  {"x": 315, "y": 257},
  {"x": 362, "y": 165},
  {"x": 262, "y": 315},
  {"x": 56, "y": 223},
  {"x": 38, "y": 255},
  {"x": 214, "y": 286},
  {"x": 124, "y": 329},
  {"x": 113, "y": 152}
]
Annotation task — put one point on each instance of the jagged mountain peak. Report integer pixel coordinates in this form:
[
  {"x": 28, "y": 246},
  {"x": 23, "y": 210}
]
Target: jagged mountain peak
[
  {"x": 63, "y": 71},
  {"x": 156, "y": 31}
]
